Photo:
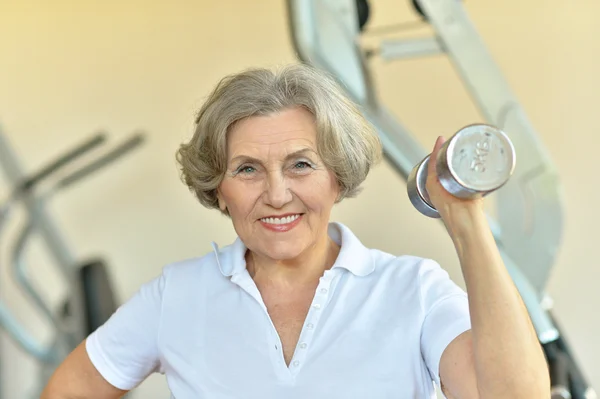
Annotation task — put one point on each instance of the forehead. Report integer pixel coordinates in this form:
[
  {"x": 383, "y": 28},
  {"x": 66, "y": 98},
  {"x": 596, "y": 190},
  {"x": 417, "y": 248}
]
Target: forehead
[{"x": 278, "y": 132}]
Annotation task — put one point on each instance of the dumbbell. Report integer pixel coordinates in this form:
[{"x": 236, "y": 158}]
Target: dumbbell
[{"x": 475, "y": 161}]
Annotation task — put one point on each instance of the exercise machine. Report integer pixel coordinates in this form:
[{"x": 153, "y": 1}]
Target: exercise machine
[
  {"x": 90, "y": 299},
  {"x": 529, "y": 222}
]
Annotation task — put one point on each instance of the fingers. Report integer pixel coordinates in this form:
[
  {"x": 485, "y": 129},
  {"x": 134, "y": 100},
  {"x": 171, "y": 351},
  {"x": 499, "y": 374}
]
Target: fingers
[{"x": 434, "y": 154}]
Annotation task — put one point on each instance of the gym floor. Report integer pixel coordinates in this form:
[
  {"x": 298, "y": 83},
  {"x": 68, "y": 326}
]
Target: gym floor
[{"x": 72, "y": 68}]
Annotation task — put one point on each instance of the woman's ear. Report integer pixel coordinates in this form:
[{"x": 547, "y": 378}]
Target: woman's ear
[{"x": 222, "y": 204}]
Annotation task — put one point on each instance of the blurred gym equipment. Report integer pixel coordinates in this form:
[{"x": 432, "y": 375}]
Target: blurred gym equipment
[
  {"x": 528, "y": 228},
  {"x": 90, "y": 300}
]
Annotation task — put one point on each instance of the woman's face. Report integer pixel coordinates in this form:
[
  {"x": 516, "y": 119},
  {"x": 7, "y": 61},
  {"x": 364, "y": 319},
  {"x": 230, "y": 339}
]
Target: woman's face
[{"x": 277, "y": 190}]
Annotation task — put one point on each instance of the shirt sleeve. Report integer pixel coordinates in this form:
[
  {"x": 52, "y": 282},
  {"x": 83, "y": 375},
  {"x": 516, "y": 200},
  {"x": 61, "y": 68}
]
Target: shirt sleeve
[
  {"x": 446, "y": 314},
  {"x": 124, "y": 350}
]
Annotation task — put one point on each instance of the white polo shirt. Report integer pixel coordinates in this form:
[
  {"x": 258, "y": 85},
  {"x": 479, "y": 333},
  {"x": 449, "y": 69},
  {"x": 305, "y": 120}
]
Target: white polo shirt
[{"x": 377, "y": 328}]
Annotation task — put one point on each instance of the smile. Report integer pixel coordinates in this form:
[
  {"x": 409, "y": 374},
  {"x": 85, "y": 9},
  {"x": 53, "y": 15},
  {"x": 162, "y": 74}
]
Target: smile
[
  {"x": 284, "y": 220},
  {"x": 281, "y": 224}
]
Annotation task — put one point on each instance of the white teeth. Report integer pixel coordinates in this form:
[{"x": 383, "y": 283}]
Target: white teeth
[{"x": 285, "y": 220}]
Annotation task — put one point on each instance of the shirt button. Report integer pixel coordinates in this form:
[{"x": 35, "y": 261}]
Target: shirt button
[
  {"x": 303, "y": 345},
  {"x": 310, "y": 326},
  {"x": 323, "y": 290},
  {"x": 317, "y": 306},
  {"x": 296, "y": 363}
]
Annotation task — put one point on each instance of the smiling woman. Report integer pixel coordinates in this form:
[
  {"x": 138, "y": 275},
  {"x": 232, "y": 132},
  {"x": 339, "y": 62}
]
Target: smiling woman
[
  {"x": 297, "y": 306},
  {"x": 285, "y": 147}
]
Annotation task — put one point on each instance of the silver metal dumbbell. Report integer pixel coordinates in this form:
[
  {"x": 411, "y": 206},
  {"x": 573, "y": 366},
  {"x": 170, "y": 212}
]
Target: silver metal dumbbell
[{"x": 475, "y": 161}]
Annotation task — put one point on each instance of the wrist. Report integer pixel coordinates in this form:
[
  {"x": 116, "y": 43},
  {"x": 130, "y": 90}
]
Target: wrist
[
  {"x": 470, "y": 233},
  {"x": 464, "y": 218}
]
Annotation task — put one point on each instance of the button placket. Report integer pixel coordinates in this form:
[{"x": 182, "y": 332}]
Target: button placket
[
  {"x": 245, "y": 282},
  {"x": 312, "y": 320}
]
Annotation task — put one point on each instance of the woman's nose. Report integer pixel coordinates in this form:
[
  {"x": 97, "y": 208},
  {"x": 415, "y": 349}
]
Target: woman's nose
[{"x": 277, "y": 192}]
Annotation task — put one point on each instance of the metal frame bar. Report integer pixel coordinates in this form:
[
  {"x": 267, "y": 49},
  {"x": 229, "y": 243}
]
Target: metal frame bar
[
  {"x": 70, "y": 329},
  {"x": 530, "y": 213},
  {"x": 56, "y": 244},
  {"x": 345, "y": 60}
]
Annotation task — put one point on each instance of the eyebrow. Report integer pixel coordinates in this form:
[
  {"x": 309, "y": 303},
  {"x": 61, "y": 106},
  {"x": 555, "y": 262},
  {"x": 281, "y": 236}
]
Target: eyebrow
[{"x": 247, "y": 158}]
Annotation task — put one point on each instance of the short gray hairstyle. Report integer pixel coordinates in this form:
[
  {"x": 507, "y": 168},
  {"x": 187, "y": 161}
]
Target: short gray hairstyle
[{"x": 346, "y": 142}]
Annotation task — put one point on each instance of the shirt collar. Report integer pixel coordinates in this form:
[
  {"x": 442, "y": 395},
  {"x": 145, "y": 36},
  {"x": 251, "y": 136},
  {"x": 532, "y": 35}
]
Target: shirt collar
[{"x": 353, "y": 256}]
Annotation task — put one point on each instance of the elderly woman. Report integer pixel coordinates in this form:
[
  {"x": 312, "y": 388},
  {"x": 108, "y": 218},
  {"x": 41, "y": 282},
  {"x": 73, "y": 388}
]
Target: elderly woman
[{"x": 297, "y": 307}]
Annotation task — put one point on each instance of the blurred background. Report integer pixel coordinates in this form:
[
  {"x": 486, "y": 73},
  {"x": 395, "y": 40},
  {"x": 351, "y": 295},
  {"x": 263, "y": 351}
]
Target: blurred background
[{"x": 69, "y": 69}]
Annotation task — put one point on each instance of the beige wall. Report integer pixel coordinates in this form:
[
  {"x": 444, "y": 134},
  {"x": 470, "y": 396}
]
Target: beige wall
[{"x": 69, "y": 68}]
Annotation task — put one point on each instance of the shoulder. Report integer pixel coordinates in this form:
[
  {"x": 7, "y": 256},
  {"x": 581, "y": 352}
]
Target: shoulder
[
  {"x": 427, "y": 272},
  {"x": 418, "y": 286},
  {"x": 402, "y": 265},
  {"x": 364, "y": 260},
  {"x": 203, "y": 268},
  {"x": 421, "y": 280},
  {"x": 368, "y": 260}
]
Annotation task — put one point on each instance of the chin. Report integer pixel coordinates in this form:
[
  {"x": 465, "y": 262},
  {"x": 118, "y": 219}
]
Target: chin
[{"x": 283, "y": 250}]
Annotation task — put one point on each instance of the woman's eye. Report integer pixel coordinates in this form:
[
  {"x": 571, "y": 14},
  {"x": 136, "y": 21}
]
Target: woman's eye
[
  {"x": 302, "y": 165},
  {"x": 246, "y": 169}
]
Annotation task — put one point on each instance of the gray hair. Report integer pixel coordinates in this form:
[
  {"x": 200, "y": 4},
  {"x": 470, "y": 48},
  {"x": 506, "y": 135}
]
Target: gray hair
[{"x": 346, "y": 142}]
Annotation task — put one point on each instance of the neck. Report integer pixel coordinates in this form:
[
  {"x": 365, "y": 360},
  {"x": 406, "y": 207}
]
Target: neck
[{"x": 304, "y": 269}]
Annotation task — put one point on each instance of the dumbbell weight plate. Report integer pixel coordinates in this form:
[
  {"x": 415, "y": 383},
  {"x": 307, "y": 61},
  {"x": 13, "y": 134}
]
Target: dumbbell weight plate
[
  {"x": 415, "y": 185},
  {"x": 477, "y": 160}
]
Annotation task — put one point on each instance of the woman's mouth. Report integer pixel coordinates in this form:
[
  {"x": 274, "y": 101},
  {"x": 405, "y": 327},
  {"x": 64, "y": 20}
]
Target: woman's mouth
[{"x": 281, "y": 223}]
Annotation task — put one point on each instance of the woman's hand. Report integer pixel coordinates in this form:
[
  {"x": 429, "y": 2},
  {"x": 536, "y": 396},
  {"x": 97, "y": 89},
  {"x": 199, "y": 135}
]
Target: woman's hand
[{"x": 455, "y": 212}]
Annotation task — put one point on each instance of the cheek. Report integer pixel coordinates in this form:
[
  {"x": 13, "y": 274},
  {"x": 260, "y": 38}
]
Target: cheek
[
  {"x": 239, "y": 197},
  {"x": 231, "y": 193},
  {"x": 317, "y": 192}
]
